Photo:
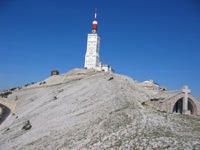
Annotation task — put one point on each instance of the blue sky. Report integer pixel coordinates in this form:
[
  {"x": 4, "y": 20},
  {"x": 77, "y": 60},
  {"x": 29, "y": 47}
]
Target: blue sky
[{"x": 144, "y": 39}]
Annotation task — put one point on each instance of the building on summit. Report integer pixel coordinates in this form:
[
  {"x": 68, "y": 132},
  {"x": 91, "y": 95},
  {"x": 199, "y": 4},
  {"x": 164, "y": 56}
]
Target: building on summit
[
  {"x": 150, "y": 84},
  {"x": 92, "y": 58},
  {"x": 54, "y": 72}
]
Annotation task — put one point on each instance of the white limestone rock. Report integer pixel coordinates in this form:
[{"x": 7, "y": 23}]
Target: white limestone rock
[{"x": 90, "y": 112}]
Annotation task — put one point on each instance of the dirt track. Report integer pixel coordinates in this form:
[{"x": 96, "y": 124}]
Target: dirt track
[{"x": 8, "y": 108}]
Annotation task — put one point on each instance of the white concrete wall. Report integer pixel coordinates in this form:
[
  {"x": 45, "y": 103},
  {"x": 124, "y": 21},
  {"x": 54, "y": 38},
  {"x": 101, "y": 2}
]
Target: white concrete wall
[{"x": 92, "y": 52}]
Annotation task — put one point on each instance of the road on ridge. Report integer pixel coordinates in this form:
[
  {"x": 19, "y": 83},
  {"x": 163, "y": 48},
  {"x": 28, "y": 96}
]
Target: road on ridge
[{"x": 5, "y": 113}]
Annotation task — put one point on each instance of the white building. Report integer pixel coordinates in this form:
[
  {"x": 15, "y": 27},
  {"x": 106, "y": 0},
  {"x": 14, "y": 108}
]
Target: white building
[
  {"x": 92, "y": 58},
  {"x": 150, "y": 84}
]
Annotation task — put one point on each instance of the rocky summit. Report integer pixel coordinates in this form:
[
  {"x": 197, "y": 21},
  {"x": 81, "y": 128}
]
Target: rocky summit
[{"x": 87, "y": 109}]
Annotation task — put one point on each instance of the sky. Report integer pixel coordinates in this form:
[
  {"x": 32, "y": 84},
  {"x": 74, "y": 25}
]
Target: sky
[{"x": 143, "y": 39}]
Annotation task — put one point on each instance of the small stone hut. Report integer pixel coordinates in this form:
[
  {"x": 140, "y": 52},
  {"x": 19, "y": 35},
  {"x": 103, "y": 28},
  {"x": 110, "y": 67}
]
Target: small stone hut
[{"x": 54, "y": 72}]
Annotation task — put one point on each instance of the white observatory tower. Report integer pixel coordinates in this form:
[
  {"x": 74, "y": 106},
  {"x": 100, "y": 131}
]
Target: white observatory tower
[
  {"x": 92, "y": 52},
  {"x": 93, "y": 43}
]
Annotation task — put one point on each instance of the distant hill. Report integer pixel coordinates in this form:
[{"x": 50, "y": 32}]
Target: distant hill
[{"x": 86, "y": 109}]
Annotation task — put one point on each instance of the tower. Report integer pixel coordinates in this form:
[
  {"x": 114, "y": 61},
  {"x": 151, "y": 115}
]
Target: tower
[{"x": 93, "y": 43}]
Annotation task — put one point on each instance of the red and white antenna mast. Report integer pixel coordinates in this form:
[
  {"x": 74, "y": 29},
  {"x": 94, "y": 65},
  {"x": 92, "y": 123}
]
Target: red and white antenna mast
[{"x": 95, "y": 23}]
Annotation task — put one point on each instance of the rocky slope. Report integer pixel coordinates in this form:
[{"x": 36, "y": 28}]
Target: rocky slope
[{"x": 85, "y": 109}]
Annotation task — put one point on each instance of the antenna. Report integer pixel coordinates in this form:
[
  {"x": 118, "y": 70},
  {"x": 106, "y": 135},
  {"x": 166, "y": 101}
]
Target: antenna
[{"x": 95, "y": 14}]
